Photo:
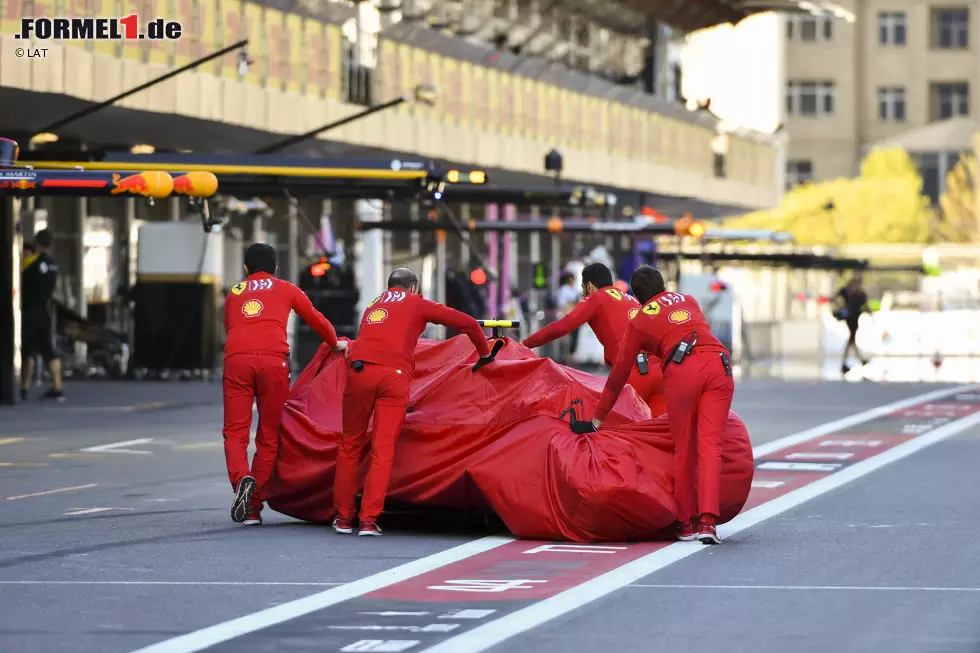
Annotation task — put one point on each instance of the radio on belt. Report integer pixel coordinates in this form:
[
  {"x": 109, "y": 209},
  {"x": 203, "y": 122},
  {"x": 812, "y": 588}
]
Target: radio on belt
[
  {"x": 684, "y": 347},
  {"x": 641, "y": 364},
  {"x": 357, "y": 365}
]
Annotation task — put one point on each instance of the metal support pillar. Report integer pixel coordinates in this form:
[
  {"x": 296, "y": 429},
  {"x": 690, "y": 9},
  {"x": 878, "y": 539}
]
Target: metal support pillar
[
  {"x": 292, "y": 274},
  {"x": 369, "y": 252},
  {"x": 535, "y": 255},
  {"x": 175, "y": 209},
  {"x": 508, "y": 271},
  {"x": 27, "y": 218},
  {"x": 258, "y": 232},
  {"x": 414, "y": 248},
  {"x": 10, "y": 304},
  {"x": 493, "y": 254},
  {"x": 125, "y": 272},
  {"x": 81, "y": 222},
  {"x": 292, "y": 226},
  {"x": 440, "y": 277},
  {"x": 465, "y": 214},
  {"x": 124, "y": 245},
  {"x": 555, "y": 259},
  {"x": 386, "y": 241}
]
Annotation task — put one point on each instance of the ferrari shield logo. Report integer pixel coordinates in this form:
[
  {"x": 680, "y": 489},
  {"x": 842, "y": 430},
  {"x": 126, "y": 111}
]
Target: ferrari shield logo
[
  {"x": 679, "y": 317},
  {"x": 377, "y": 316},
  {"x": 653, "y": 308},
  {"x": 239, "y": 288},
  {"x": 615, "y": 294},
  {"x": 634, "y": 312}
]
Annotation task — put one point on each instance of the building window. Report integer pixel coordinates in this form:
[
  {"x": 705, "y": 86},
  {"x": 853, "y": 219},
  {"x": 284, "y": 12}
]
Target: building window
[
  {"x": 891, "y": 103},
  {"x": 720, "y": 167},
  {"x": 810, "y": 98},
  {"x": 950, "y": 100},
  {"x": 810, "y": 29},
  {"x": 798, "y": 172},
  {"x": 891, "y": 28},
  {"x": 951, "y": 28},
  {"x": 929, "y": 168}
]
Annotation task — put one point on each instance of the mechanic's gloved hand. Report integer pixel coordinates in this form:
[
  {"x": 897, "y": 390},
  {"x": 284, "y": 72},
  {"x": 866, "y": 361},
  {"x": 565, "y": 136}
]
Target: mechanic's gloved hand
[
  {"x": 494, "y": 349},
  {"x": 584, "y": 426}
]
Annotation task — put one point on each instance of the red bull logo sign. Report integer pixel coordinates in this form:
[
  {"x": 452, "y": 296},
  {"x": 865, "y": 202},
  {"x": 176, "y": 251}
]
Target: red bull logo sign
[
  {"x": 196, "y": 184},
  {"x": 19, "y": 184},
  {"x": 147, "y": 184}
]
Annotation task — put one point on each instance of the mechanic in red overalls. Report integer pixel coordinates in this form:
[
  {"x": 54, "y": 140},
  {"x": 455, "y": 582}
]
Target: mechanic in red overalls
[
  {"x": 699, "y": 387},
  {"x": 382, "y": 362},
  {"x": 608, "y": 312},
  {"x": 257, "y": 369}
]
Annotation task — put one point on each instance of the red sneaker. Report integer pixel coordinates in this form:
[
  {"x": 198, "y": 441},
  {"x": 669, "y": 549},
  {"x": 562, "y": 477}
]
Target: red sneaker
[
  {"x": 254, "y": 516},
  {"x": 685, "y": 531},
  {"x": 369, "y": 529},
  {"x": 707, "y": 532},
  {"x": 344, "y": 526}
]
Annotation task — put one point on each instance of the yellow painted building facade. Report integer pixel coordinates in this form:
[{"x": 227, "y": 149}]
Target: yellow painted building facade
[{"x": 483, "y": 117}]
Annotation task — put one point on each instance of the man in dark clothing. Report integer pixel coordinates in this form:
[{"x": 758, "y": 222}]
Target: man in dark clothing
[
  {"x": 38, "y": 278},
  {"x": 851, "y": 302}
]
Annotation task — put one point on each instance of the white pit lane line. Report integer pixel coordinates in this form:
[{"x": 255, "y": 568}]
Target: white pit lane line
[{"x": 500, "y": 630}]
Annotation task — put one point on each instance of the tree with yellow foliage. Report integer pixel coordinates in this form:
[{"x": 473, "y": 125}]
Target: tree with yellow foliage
[
  {"x": 884, "y": 205},
  {"x": 959, "y": 221}
]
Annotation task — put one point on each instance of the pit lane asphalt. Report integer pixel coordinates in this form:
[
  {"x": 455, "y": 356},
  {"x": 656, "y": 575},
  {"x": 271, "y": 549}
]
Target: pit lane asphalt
[{"x": 167, "y": 560}]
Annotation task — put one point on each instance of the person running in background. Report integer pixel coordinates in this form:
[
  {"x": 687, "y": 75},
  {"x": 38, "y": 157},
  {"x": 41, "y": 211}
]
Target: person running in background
[
  {"x": 852, "y": 300},
  {"x": 38, "y": 279},
  {"x": 608, "y": 312}
]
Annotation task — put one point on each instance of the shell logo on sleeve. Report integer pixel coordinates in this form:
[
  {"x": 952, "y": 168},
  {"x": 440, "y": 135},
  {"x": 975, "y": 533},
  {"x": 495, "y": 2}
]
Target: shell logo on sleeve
[
  {"x": 679, "y": 317},
  {"x": 252, "y": 308},
  {"x": 634, "y": 312},
  {"x": 377, "y": 316}
]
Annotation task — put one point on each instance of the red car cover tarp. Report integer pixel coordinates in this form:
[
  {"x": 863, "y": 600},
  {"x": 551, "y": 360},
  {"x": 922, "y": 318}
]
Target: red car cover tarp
[{"x": 494, "y": 440}]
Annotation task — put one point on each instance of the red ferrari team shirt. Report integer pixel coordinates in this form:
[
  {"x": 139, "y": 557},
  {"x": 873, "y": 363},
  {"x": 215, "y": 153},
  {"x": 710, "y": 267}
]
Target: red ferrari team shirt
[
  {"x": 658, "y": 328},
  {"x": 256, "y": 311},
  {"x": 608, "y": 313},
  {"x": 393, "y": 323}
]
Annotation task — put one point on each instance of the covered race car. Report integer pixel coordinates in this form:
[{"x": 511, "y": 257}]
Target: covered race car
[{"x": 495, "y": 439}]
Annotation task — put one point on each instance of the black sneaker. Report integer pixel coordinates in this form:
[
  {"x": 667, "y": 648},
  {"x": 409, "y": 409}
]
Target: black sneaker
[
  {"x": 55, "y": 395},
  {"x": 243, "y": 500}
]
